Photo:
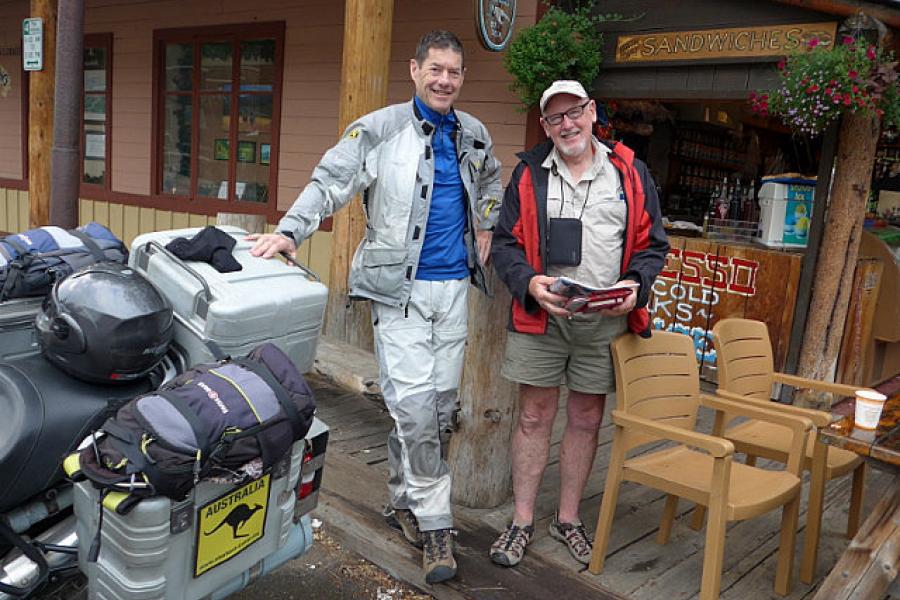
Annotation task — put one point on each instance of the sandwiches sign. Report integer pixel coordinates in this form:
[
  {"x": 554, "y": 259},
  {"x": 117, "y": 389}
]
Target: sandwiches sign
[{"x": 735, "y": 42}]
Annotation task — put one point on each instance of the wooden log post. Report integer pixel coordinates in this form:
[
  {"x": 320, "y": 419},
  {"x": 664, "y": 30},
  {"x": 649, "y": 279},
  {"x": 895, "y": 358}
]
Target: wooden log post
[
  {"x": 871, "y": 562},
  {"x": 364, "y": 84},
  {"x": 249, "y": 223},
  {"x": 40, "y": 118},
  {"x": 479, "y": 456},
  {"x": 860, "y": 322},
  {"x": 480, "y": 449},
  {"x": 833, "y": 280}
]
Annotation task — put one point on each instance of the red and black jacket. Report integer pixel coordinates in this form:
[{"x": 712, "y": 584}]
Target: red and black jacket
[{"x": 519, "y": 249}]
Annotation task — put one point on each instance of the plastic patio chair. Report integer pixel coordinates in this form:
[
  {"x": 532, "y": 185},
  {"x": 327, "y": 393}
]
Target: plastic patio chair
[
  {"x": 746, "y": 374},
  {"x": 657, "y": 398}
]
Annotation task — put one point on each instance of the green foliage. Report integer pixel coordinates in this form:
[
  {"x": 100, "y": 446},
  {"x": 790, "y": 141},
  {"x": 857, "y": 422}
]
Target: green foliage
[
  {"x": 562, "y": 45},
  {"x": 818, "y": 84}
]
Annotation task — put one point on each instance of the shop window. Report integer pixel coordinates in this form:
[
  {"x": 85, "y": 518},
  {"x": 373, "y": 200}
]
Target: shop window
[
  {"x": 218, "y": 108},
  {"x": 97, "y": 110}
]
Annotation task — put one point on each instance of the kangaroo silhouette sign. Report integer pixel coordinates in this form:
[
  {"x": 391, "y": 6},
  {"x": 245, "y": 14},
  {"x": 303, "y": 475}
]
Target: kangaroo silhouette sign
[
  {"x": 229, "y": 524},
  {"x": 236, "y": 518}
]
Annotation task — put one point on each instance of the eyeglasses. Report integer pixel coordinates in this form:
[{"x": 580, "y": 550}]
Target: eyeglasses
[{"x": 573, "y": 113}]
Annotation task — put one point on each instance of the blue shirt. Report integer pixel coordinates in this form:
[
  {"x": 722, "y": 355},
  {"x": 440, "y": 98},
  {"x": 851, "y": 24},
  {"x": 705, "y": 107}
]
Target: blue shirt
[{"x": 444, "y": 253}]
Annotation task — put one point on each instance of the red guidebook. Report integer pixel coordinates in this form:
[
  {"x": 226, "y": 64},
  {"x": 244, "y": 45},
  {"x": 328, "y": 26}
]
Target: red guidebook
[{"x": 583, "y": 298}]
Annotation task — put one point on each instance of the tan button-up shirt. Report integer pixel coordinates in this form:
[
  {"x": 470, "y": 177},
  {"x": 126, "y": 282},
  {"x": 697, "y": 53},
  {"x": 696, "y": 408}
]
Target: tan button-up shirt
[{"x": 602, "y": 214}]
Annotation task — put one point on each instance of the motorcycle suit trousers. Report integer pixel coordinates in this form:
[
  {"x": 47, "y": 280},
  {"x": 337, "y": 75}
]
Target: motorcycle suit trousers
[{"x": 420, "y": 355}]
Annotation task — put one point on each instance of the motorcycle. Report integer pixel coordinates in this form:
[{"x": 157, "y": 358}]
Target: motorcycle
[{"x": 162, "y": 548}]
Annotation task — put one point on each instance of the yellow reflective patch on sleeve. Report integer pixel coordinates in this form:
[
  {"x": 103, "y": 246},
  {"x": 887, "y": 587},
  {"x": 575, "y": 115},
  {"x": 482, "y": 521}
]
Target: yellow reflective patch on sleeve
[
  {"x": 353, "y": 134},
  {"x": 491, "y": 203}
]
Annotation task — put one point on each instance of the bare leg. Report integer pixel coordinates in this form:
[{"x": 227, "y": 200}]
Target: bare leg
[
  {"x": 531, "y": 446},
  {"x": 579, "y": 445}
]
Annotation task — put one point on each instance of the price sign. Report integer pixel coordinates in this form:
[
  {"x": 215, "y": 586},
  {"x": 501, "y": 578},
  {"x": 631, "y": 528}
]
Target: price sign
[{"x": 33, "y": 44}]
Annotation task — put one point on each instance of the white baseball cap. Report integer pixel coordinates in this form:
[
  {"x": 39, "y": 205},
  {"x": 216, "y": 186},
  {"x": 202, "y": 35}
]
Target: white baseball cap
[{"x": 563, "y": 86}]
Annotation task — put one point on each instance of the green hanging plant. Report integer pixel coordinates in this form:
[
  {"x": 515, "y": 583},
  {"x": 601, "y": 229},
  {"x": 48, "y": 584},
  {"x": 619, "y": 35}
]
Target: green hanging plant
[
  {"x": 562, "y": 45},
  {"x": 818, "y": 84}
]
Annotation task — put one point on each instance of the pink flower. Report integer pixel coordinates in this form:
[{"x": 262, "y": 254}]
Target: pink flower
[
  {"x": 847, "y": 99},
  {"x": 870, "y": 53},
  {"x": 812, "y": 43},
  {"x": 847, "y": 40},
  {"x": 855, "y": 89},
  {"x": 852, "y": 74},
  {"x": 781, "y": 64}
]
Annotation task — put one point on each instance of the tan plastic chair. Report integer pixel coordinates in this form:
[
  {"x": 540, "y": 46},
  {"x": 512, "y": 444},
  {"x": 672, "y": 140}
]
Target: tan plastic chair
[
  {"x": 746, "y": 374},
  {"x": 657, "y": 398}
]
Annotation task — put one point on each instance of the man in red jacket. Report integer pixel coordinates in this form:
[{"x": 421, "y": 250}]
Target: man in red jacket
[{"x": 583, "y": 209}]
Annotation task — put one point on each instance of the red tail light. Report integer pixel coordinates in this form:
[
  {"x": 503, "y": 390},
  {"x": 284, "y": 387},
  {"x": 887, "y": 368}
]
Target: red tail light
[
  {"x": 307, "y": 490},
  {"x": 307, "y": 481}
]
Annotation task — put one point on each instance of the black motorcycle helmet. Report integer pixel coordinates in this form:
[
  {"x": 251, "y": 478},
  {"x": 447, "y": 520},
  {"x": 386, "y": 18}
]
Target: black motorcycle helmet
[{"x": 105, "y": 323}]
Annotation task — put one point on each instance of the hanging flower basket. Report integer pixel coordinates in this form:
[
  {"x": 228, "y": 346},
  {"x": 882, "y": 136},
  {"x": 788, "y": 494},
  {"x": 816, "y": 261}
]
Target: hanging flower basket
[{"x": 817, "y": 86}]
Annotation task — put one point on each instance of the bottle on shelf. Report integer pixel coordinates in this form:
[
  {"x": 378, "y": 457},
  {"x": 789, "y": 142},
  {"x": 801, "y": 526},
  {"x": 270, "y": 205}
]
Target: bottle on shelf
[
  {"x": 721, "y": 204},
  {"x": 710, "y": 212},
  {"x": 734, "y": 202}
]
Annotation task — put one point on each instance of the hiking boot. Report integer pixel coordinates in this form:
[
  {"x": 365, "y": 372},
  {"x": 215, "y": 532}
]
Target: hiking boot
[
  {"x": 405, "y": 521},
  {"x": 437, "y": 555},
  {"x": 509, "y": 548},
  {"x": 574, "y": 537}
]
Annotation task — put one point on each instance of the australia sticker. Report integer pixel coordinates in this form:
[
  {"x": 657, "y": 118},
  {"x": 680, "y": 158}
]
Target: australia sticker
[{"x": 230, "y": 524}]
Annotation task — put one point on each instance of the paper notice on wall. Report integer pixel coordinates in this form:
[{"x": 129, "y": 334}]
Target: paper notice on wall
[{"x": 95, "y": 145}]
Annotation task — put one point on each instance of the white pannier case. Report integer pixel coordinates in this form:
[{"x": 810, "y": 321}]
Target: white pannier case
[{"x": 266, "y": 301}]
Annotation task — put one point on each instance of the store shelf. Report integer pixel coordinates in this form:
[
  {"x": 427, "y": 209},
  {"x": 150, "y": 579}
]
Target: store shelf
[{"x": 713, "y": 164}]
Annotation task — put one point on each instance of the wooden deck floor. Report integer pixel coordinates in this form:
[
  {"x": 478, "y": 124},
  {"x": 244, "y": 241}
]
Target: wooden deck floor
[{"x": 354, "y": 491}]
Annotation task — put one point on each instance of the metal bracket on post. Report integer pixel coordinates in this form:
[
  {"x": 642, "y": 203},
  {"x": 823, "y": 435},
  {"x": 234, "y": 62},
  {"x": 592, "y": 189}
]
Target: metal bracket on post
[{"x": 182, "y": 517}]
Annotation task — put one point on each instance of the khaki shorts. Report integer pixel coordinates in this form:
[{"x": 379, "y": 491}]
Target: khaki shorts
[{"x": 574, "y": 352}]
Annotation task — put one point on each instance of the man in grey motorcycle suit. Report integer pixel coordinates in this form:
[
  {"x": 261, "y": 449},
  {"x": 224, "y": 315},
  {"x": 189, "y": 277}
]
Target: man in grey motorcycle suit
[{"x": 431, "y": 194}]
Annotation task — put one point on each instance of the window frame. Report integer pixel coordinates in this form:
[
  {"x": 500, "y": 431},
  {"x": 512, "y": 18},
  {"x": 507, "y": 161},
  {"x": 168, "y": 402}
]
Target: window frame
[
  {"x": 105, "y": 41},
  {"x": 21, "y": 183},
  {"x": 235, "y": 33}
]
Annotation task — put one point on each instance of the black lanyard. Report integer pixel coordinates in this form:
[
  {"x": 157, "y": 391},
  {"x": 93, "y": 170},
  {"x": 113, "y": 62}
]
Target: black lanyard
[{"x": 562, "y": 196}]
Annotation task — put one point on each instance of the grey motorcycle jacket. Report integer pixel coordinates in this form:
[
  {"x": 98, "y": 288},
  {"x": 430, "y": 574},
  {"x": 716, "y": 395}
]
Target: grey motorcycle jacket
[{"x": 387, "y": 155}]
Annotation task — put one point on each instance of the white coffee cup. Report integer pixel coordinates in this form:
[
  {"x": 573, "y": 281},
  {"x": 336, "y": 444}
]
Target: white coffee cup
[{"x": 869, "y": 404}]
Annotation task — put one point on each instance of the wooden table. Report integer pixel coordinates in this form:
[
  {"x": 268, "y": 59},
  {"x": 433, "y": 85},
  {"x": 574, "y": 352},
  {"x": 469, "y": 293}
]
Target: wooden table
[
  {"x": 869, "y": 565},
  {"x": 881, "y": 446}
]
